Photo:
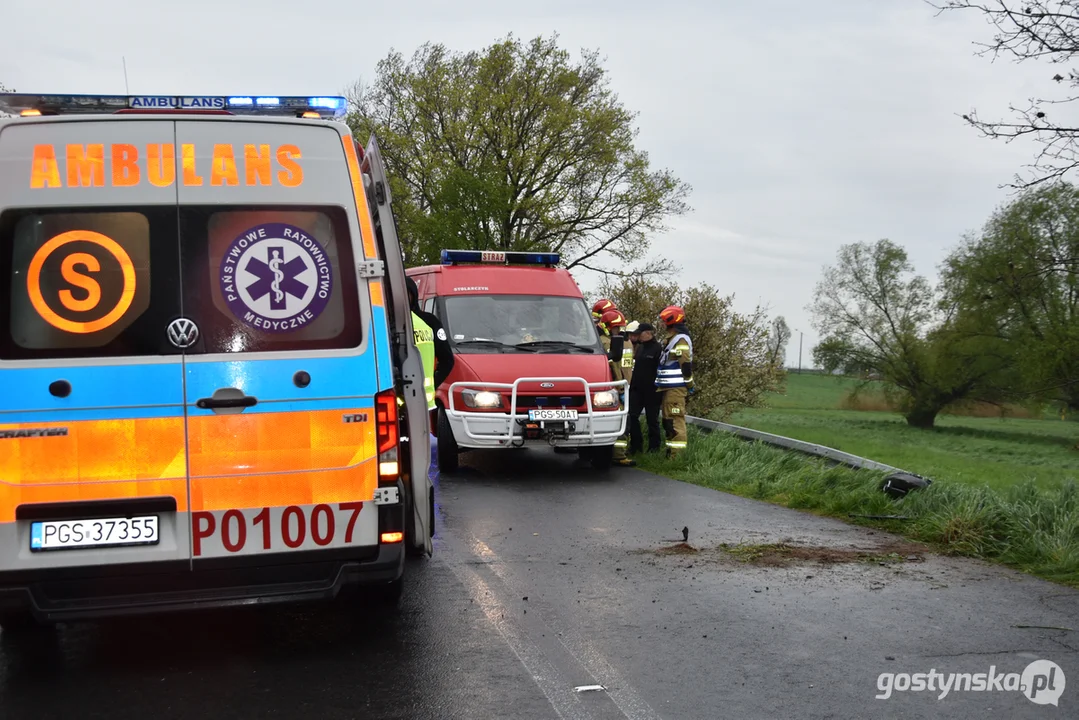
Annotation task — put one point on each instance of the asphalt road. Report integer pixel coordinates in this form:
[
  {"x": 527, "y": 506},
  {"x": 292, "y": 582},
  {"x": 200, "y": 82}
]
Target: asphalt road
[{"x": 546, "y": 578}]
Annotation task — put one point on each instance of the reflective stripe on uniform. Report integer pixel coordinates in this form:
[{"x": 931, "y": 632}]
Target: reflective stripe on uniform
[
  {"x": 669, "y": 374},
  {"x": 425, "y": 343},
  {"x": 677, "y": 444}
]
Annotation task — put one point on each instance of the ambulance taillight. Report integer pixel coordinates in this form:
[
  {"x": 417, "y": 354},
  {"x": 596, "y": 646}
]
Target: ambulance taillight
[{"x": 387, "y": 435}]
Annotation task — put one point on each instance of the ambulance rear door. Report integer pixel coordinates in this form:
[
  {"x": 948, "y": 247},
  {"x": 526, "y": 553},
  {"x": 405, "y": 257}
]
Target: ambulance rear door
[
  {"x": 281, "y": 379},
  {"x": 92, "y": 458},
  {"x": 376, "y": 182}
]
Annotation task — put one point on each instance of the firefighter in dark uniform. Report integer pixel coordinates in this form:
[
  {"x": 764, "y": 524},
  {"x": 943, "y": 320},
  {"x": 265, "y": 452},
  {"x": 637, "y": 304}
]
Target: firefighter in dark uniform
[{"x": 675, "y": 377}]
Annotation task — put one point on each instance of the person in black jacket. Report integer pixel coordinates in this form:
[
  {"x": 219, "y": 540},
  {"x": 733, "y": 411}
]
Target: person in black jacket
[
  {"x": 443, "y": 351},
  {"x": 643, "y": 394}
]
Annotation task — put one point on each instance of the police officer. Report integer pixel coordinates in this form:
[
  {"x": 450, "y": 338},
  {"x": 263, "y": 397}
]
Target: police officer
[
  {"x": 644, "y": 396},
  {"x": 432, "y": 343},
  {"x": 620, "y": 355},
  {"x": 675, "y": 377}
]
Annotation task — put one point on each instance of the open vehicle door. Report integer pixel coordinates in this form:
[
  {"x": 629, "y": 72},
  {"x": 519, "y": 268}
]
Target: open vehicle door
[{"x": 408, "y": 363}]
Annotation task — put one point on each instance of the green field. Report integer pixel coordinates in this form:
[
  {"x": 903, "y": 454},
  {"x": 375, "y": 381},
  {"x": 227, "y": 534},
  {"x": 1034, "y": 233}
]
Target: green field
[{"x": 987, "y": 451}]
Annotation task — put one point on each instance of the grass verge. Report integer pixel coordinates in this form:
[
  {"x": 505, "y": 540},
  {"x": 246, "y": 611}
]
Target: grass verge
[
  {"x": 999, "y": 452},
  {"x": 1024, "y": 526}
]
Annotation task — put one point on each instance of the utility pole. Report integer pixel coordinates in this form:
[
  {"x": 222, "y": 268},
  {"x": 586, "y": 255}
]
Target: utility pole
[{"x": 800, "y": 335}]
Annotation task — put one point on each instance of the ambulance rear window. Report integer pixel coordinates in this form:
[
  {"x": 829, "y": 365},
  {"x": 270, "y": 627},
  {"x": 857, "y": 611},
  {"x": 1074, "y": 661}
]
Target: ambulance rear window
[
  {"x": 261, "y": 279},
  {"x": 77, "y": 282}
]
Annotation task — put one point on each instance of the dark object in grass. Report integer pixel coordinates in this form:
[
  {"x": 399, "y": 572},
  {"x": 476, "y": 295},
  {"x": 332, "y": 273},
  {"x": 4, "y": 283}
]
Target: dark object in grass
[
  {"x": 899, "y": 483},
  {"x": 880, "y": 517}
]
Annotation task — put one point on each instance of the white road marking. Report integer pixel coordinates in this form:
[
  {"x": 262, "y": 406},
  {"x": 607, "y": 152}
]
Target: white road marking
[
  {"x": 556, "y": 689},
  {"x": 632, "y": 705}
]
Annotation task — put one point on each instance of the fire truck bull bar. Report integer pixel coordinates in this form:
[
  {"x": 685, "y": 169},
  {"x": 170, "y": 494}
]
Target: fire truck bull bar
[{"x": 496, "y": 428}]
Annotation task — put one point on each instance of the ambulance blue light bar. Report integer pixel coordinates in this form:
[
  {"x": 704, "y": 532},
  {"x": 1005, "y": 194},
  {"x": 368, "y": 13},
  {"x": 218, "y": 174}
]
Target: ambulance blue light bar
[
  {"x": 321, "y": 107},
  {"x": 499, "y": 257}
]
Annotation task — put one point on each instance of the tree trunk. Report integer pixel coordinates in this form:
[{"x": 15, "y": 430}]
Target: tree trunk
[{"x": 922, "y": 417}]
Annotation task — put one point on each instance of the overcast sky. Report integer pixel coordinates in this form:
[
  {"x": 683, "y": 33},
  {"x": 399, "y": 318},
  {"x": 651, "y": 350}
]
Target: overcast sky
[{"x": 801, "y": 125}]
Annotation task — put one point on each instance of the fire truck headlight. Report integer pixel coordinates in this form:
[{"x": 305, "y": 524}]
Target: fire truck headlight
[
  {"x": 605, "y": 399},
  {"x": 482, "y": 399}
]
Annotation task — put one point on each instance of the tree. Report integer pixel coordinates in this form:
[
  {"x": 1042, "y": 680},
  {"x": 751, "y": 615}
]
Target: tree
[
  {"x": 778, "y": 338},
  {"x": 1017, "y": 283},
  {"x": 876, "y": 316},
  {"x": 5, "y": 89},
  {"x": 515, "y": 147},
  {"x": 731, "y": 362},
  {"x": 1034, "y": 30}
]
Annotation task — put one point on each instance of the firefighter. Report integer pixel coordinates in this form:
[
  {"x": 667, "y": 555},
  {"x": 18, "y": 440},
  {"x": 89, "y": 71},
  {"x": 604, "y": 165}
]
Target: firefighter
[
  {"x": 675, "y": 377},
  {"x": 619, "y": 351},
  {"x": 601, "y": 306}
]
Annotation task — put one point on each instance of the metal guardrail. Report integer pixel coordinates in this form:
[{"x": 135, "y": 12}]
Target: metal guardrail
[{"x": 854, "y": 461}]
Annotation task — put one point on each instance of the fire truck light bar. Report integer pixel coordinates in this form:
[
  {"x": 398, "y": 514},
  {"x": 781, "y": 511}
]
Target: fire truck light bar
[
  {"x": 498, "y": 257},
  {"x": 325, "y": 108}
]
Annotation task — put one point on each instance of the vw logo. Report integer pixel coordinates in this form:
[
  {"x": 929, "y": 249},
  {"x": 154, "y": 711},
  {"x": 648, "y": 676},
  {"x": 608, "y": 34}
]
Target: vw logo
[
  {"x": 546, "y": 384},
  {"x": 183, "y": 332}
]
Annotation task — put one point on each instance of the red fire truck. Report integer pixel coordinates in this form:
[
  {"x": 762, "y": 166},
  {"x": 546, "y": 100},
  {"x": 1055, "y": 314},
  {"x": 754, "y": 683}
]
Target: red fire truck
[{"x": 530, "y": 369}]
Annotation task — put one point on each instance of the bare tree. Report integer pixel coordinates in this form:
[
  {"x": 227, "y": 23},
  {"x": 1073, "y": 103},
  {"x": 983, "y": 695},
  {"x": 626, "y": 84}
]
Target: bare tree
[
  {"x": 778, "y": 338},
  {"x": 1046, "y": 30}
]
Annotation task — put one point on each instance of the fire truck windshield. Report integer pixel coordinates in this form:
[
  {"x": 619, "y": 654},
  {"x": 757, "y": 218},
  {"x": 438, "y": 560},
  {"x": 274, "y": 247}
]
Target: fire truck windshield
[{"x": 495, "y": 323}]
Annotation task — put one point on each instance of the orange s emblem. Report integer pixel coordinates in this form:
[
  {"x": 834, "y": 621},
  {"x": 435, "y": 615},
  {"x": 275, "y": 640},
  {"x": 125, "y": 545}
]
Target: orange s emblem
[{"x": 78, "y": 269}]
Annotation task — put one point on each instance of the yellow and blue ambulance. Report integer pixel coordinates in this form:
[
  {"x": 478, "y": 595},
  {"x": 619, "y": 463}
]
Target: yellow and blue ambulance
[{"x": 209, "y": 394}]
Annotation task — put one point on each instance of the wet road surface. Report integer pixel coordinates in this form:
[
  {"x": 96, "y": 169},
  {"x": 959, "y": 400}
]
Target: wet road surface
[{"x": 546, "y": 578}]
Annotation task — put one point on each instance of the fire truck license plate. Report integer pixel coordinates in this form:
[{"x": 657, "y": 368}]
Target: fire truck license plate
[{"x": 552, "y": 414}]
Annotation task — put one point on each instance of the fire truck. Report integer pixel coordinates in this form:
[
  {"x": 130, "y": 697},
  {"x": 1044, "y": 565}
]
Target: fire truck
[{"x": 529, "y": 366}]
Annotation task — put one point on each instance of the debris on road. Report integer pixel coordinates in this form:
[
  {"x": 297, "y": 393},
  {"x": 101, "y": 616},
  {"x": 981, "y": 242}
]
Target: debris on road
[{"x": 588, "y": 688}]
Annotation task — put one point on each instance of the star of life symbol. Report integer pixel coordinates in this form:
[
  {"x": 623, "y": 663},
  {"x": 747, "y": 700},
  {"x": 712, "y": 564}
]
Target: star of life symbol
[
  {"x": 275, "y": 275},
  {"x": 276, "y": 278}
]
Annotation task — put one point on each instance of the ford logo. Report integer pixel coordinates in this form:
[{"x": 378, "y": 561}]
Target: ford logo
[{"x": 547, "y": 385}]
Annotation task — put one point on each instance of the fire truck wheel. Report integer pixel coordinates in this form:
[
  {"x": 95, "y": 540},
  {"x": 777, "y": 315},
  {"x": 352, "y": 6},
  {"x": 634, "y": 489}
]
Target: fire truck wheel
[
  {"x": 600, "y": 457},
  {"x": 447, "y": 446}
]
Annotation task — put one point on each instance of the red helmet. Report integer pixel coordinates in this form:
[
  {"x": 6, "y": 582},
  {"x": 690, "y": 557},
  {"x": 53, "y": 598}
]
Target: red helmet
[
  {"x": 613, "y": 319},
  {"x": 672, "y": 315},
  {"x": 602, "y": 305}
]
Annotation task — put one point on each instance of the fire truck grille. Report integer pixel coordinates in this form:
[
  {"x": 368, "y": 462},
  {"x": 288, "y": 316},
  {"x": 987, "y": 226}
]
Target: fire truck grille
[{"x": 551, "y": 401}]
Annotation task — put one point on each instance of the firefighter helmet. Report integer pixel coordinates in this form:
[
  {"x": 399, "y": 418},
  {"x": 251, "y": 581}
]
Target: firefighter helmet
[
  {"x": 602, "y": 305},
  {"x": 613, "y": 319},
  {"x": 672, "y": 315}
]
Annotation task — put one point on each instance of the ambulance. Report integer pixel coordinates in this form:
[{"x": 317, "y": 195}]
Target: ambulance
[
  {"x": 208, "y": 391},
  {"x": 529, "y": 368}
]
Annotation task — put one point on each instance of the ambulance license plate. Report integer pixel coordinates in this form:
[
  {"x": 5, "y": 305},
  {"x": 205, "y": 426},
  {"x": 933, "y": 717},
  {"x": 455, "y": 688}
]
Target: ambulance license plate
[
  {"x": 548, "y": 414},
  {"x": 98, "y": 532}
]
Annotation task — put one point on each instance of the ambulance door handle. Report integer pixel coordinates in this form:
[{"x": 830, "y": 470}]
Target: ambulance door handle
[{"x": 226, "y": 403}]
